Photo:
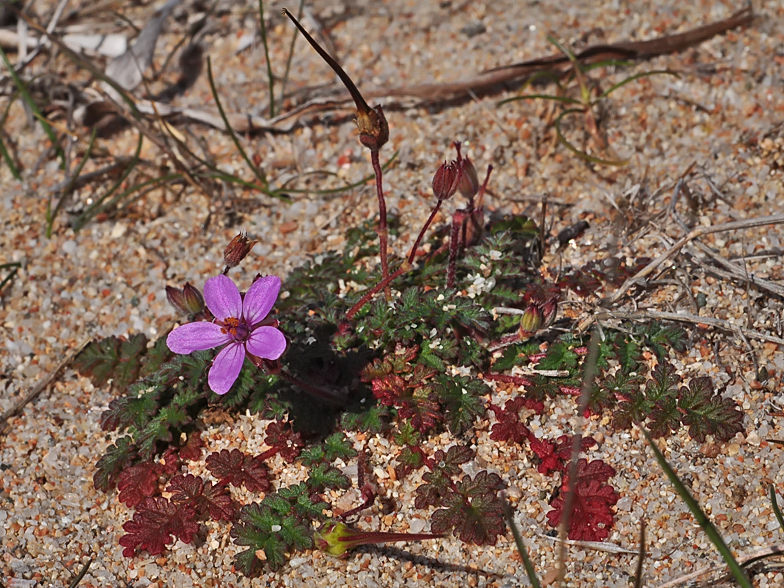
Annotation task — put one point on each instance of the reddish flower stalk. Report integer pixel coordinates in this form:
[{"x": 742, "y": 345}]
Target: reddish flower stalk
[
  {"x": 429, "y": 220},
  {"x": 517, "y": 380},
  {"x": 324, "y": 395},
  {"x": 404, "y": 267},
  {"x": 383, "y": 232},
  {"x": 458, "y": 220},
  {"x": 336, "y": 538}
]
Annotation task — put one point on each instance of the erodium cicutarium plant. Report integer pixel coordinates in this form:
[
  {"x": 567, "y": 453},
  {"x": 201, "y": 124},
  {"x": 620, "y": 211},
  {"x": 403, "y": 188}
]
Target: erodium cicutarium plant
[{"x": 466, "y": 347}]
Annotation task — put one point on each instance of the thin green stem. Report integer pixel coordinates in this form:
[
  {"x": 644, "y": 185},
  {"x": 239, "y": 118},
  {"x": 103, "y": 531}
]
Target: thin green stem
[
  {"x": 52, "y": 213},
  {"x": 270, "y": 77},
  {"x": 291, "y": 54}
]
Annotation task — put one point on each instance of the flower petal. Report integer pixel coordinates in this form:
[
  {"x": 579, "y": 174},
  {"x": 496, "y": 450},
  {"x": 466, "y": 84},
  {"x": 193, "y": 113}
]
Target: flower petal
[
  {"x": 226, "y": 367},
  {"x": 223, "y": 298},
  {"x": 196, "y": 337},
  {"x": 266, "y": 342},
  {"x": 259, "y": 299}
]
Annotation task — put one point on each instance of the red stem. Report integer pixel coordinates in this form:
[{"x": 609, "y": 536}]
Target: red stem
[
  {"x": 362, "y": 538},
  {"x": 382, "y": 214},
  {"x": 518, "y": 380},
  {"x": 329, "y": 397},
  {"x": 457, "y": 223},
  {"x": 376, "y": 289},
  {"x": 422, "y": 232}
]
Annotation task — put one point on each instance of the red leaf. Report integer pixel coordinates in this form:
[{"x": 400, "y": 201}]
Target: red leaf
[
  {"x": 509, "y": 427},
  {"x": 592, "y": 517},
  {"x": 545, "y": 450},
  {"x": 191, "y": 451},
  {"x": 138, "y": 482},
  {"x": 153, "y": 524},
  {"x": 202, "y": 496},
  {"x": 284, "y": 440},
  {"x": 236, "y": 468}
]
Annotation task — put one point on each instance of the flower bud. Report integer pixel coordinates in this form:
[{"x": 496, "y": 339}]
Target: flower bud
[
  {"x": 469, "y": 181},
  {"x": 237, "y": 250},
  {"x": 188, "y": 300},
  {"x": 446, "y": 180},
  {"x": 549, "y": 310},
  {"x": 531, "y": 321}
]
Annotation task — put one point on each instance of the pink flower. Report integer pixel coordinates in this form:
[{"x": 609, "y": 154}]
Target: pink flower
[{"x": 240, "y": 323}]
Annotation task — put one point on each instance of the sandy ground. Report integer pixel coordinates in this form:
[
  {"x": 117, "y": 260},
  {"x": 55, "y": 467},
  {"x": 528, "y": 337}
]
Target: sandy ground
[{"x": 723, "y": 114}]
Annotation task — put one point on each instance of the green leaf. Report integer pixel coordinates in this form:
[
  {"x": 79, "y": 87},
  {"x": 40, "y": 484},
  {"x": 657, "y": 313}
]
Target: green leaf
[
  {"x": 338, "y": 446},
  {"x": 460, "y": 397},
  {"x": 559, "y": 357},
  {"x": 116, "y": 458},
  {"x": 708, "y": 414},
  {"x": 324, "y": 476}
]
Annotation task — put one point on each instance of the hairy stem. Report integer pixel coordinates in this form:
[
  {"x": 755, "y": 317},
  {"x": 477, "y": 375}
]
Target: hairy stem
[
  {"x": 458, "y": 220},
  {"x": 429, "y": 220},
  {"x": 404, "y": 267},
  {"x": 382, "y": 214}
]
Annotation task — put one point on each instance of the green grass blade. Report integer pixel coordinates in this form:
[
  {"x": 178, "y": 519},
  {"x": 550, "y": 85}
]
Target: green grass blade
[
  {"x": 710, "y": 530},
  {"x": 562, "y": 48},
  {"x": 14, "y": 267},
  {"x": 6, "y": 154},
  {"x": 20, "y": 85},
  {"x": 256, "y": 171},
  {"x": 775, "y": 505},
  {"x": 9, "y": 161},
  {"x": 81, "y": 574},
  {"x": 51, "y": 214},
  {"x": 561, "y": 99},
  {"x": 345, "y": 188},
  {"x": 98, "y": 206},
  {"x": 644, "y": 74},
  {"x": 270, "y": 77},
  {"x": 294, "y": 36},
  {"x": 575, "y": 150},
  {"x": 527, "y": 563}
]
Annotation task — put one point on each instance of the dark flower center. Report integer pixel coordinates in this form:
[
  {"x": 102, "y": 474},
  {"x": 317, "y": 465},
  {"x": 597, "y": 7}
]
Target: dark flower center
[{"x": 236, "y": 328}]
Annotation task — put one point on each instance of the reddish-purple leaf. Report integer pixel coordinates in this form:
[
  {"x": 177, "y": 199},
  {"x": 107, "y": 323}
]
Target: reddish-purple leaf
[
  {"x": 138, "y": 482},
  {"x": 191, "y": 451},
  {"x": 545, "y": 450},
  {"x": 592, "y": 517},
  {"x": 154, "y": 522},
  {"x": 474, "y": 511},
  {"x": 284, "y": 440},
  {"x": 236, "y": 468},
  {"x": 509, "y": 427},
  {"x": 202, "y": 496}
]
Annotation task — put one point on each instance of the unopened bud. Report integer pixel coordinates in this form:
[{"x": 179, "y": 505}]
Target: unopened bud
[
  {"x": 531, "y": 321},
  {"x": 373, "y": 127},
  {"x": 549, "y": 310},
  {"x": 446, "y": 180},
  {"x": 237, "y": 250},
  {"x": 188, "y": 300},
  {"x": 469, "y": 181}
]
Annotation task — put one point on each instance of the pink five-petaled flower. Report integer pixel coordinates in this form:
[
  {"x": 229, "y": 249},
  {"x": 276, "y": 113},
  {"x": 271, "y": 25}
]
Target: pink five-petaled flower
[{"x": 242, "y": 323}]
